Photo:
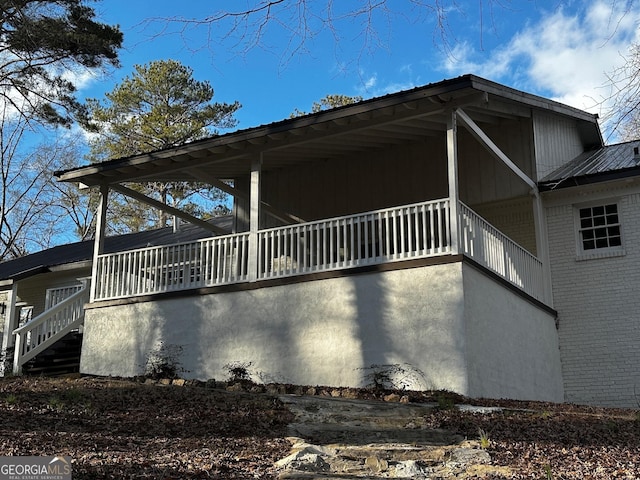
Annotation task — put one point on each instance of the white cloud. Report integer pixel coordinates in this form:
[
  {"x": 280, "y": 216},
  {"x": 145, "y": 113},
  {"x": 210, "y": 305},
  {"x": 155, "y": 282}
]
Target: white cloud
[
  {"x": 82, "y": 77},
  {"x": 370, "y": 82},
  {"x": 564, "y": 55}
]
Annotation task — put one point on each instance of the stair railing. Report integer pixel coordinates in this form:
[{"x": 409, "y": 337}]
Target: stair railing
[{"x": 47, "y": 328}]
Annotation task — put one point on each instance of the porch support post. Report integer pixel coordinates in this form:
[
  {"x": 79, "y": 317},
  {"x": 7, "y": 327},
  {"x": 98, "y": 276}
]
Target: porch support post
[
  {"x": 98, "y": 242},
  {"x": 454, "y": 197},
  {"x": 542, "y": 247},
  {"x": 285, "y": 217},
  {"x": 10, "y": 324},
  {"x": 254, "y": 217}
]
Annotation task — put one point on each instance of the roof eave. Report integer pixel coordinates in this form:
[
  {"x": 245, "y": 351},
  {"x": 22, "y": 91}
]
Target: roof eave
[
  {"x": 253, "y": 134},
  {"x": 438, "y": 93},
  {"x": 580, "y": 180}
]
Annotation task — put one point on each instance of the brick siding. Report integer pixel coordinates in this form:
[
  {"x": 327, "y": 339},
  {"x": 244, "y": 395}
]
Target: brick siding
[{"x": 598, "y": 304}]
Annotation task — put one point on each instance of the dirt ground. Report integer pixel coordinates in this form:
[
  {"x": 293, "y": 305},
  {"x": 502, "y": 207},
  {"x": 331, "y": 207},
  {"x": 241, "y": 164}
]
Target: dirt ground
[{"x": 125, "y": 429}]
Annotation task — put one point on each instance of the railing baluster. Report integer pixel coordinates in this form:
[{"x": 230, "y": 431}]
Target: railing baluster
[
  {"x": 497, "y": 252},
  {"x": 419, "y": 230}
]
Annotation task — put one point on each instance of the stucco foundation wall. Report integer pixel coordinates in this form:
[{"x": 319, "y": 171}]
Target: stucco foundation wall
[
  {"x": 512, "y": 343},
  {"x": 598, "y": 304},
  {"x": 318, "y": 332}
]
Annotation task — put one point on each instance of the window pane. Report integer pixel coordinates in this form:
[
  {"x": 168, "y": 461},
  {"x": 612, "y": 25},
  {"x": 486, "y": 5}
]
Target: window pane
[
  {"x": 602, "y": 243},
  {"x": 601, "y": 232},
  {"x": 600, "y": 227}
]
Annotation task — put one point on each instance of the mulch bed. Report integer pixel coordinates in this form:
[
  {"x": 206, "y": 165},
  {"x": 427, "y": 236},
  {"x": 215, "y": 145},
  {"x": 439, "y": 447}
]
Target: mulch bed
[{"x": 125, "y": 429}]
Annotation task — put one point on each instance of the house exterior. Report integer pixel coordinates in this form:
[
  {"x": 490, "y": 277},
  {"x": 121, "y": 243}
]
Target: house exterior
[
  {"x": 593, "y": 221},
  {"x": 422, "y": 229},
  {"x": 34, "y": 287}
]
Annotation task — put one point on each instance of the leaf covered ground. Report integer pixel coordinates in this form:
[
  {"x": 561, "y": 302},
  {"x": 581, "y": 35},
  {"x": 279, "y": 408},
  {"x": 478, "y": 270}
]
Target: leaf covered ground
[
  {"x": 118, "y": 429},
  {"x": 122, "y": 429},
  {"x": 554, "y": 442}
]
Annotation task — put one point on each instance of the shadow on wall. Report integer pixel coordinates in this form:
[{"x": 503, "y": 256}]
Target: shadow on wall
[
  {"x": 300, "y": 333},
  {"x": 243, "y": 329},
  {"x": 411, "y": 326},
  {"x": 323, "y": 332}
]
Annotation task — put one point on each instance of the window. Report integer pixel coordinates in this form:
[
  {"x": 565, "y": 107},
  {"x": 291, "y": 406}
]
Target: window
[{"x": 599, "y": 227}]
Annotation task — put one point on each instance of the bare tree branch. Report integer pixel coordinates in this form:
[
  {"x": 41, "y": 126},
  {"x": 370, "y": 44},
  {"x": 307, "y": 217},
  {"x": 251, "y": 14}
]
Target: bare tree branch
[
  {"x": 300, "y": 21},
  {"x": 31, "y": 213}
]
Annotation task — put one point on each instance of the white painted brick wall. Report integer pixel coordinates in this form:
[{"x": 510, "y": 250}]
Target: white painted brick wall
[{"x": 598, "y": 304}]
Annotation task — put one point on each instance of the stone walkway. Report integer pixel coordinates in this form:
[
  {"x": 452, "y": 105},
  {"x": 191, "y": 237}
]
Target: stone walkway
[{"x": 337, "y": 438}]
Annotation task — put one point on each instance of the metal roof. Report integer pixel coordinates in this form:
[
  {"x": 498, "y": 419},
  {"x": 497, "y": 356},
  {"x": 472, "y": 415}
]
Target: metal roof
[
  {"x": 609, "y": 162},
  {"x": 45, "y": 260},
  {"x": 381, "y": 122}
]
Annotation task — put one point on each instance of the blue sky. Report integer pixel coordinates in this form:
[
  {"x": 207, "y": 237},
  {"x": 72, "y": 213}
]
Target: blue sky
[{"x": 562, "y": 50}]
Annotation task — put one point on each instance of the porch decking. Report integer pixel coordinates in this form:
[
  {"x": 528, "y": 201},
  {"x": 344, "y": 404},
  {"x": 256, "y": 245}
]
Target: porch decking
[{"x": 408, "y": 232}]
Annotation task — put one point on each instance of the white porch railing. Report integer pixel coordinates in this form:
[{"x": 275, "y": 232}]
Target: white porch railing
[
  {"x": 47, "y": 328},
  {"x": 54, "y": 296},
  {"x": 389, "y": 235},
  {"x": 494, "y": 250},
  {"x": 209, "y": 262},
  {"x": 412, "y": 231}
]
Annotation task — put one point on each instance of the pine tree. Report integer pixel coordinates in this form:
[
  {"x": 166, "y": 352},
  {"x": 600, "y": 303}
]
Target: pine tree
[
  {"x": 41, "y": 42},
  {"x": 160, "y": 106}
]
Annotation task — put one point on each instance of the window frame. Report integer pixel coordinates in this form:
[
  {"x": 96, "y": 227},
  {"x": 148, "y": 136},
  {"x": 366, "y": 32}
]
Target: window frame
[{"x": 598, "y": 252}]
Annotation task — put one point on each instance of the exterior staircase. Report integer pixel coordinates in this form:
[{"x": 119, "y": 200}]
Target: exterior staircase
[
  {"x": 61, "y": 358},
  {"x": 50, "y": 343}
]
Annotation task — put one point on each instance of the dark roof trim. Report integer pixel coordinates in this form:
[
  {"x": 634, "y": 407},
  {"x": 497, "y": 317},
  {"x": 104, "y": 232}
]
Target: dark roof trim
[
  {"x": 29, "y": 272},
  {"x": 589, "y": 179}
]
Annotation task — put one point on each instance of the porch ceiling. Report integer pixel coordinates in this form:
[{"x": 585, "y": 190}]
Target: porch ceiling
[{"x": 379, "y": 123}]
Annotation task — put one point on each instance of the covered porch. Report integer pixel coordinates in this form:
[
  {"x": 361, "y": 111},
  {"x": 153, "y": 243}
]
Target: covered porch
[
  {"x": 407, "y": 229},
  {"x": 423, "y": 173},
  {"x": 378, "y": 237}
]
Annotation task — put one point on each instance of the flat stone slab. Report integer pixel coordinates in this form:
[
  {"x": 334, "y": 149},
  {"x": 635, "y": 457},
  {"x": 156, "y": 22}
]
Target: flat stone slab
[{"x": 342, "y": 438}]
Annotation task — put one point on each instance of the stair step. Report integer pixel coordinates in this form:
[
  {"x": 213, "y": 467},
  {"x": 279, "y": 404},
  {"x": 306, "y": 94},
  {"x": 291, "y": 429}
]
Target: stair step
[
  {"x": 63, "y": 357},
  {"x": 71, "y": 366}
]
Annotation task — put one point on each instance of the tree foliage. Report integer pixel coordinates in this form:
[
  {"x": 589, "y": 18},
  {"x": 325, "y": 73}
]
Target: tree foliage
[
  {"x": 42, "y": 44},
  {"x": 80, "y": 206},
  {"x": 159, "y": 106},
  {"x": 328, "y": 102}
]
